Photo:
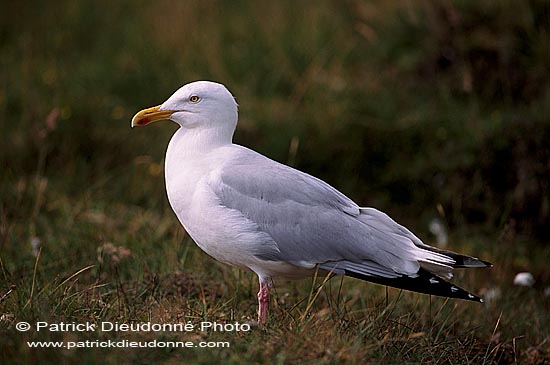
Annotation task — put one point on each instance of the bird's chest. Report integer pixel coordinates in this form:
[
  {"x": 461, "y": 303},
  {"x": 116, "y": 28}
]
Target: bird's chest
[{"x": 218, "y": 231}]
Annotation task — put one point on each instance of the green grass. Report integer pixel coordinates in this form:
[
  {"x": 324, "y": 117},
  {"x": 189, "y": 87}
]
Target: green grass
[
  {"x": 420, "y": 109},
  {"x": 166, "y": 279}
]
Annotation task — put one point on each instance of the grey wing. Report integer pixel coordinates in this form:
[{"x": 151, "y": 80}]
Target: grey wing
[
  {"x": 312, "y": 223},
  {"x": 254, "y": 177}
]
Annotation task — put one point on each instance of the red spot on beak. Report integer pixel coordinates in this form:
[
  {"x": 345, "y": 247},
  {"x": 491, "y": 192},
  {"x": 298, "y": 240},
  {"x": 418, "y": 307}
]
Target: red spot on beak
[{"x": 143, "y": 121}]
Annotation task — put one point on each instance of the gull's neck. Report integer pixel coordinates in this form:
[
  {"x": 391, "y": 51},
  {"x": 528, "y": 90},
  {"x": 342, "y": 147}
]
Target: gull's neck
[
  {"x": 190, "y": 155},
  {"x": 195, "y": 141},
  {"x": 192, "y": 148}
]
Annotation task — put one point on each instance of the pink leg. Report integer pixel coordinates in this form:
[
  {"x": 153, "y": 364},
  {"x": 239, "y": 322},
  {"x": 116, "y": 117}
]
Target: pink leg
[{"x": 263, "y": 301}]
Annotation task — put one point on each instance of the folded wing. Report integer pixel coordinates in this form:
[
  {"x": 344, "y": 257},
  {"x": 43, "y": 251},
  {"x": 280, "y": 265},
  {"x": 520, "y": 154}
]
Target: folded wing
[{"x": 314, "y": 224}]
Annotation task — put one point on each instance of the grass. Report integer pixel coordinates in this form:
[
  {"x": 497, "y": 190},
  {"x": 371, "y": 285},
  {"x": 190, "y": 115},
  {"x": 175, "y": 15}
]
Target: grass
[
  {"x": 420, "y": 109},
  {"x": 168, "y": 280}
]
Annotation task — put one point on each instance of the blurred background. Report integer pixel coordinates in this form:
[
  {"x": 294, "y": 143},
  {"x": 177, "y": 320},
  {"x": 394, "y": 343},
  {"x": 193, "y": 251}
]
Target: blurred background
[
  {"x": 427, "y": 109},
  {"x": 437, "y": 112}
]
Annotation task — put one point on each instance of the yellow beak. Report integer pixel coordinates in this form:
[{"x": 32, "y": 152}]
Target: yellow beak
[{"x": 150, "y": 115}]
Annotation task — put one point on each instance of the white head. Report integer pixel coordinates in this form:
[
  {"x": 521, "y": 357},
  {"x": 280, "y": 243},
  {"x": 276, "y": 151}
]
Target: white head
[{"x": 200, "y": 105}]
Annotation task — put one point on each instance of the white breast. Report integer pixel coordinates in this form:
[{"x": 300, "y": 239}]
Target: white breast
[{"x": 223, "y": 233}]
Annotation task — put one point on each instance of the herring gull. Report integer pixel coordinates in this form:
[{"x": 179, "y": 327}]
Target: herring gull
[{"x": 254, "y": 213}]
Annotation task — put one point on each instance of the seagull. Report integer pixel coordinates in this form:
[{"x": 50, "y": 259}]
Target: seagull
[{"x": 249, "y": 211}]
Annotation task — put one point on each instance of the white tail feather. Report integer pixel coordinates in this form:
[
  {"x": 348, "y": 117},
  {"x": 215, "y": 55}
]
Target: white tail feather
[{"x": 436, "y": 263}]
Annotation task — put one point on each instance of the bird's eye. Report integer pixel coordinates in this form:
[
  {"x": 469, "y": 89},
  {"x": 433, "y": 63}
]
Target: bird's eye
[{"x": 194, "y": 99}]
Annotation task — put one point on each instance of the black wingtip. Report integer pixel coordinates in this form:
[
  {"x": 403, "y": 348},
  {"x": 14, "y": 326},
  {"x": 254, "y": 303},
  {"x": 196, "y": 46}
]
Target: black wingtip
[
  {"x": 424, "y": 282},
  {"x": 463, "y": 261},
  {"x": 487, "y": 263}
]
